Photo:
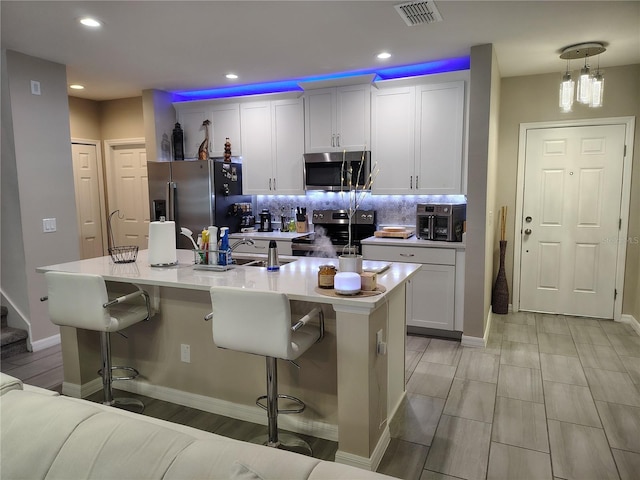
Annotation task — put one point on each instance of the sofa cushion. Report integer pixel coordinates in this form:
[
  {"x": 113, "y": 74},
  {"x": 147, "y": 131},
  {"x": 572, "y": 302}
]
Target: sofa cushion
[
  {"x": 8, "y": 383},
  {"x": 34, "y": 429}
]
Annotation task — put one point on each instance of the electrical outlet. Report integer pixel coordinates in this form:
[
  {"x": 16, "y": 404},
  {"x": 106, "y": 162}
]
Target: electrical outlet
[{"x": 185, "y": 353}]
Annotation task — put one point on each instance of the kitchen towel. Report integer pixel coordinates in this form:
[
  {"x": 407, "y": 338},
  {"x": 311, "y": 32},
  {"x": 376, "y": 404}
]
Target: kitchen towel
[{"x": 162, "y": 243}]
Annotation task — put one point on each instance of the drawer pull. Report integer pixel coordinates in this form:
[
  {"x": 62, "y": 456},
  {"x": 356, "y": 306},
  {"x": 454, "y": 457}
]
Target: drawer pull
[
  {"x": 259, "y": 247},
  {"x": 407, "y": 255}
]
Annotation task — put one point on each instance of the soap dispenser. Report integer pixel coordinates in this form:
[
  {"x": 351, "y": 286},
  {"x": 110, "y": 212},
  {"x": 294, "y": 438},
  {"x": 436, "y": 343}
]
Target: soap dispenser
[
  {"x": 273, "y": 263},
  {"x": 224, "y": 246}
]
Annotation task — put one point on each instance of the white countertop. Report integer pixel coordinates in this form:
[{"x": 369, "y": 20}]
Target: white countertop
[
  {"x": 412, "y": 242},
  {"x": 298, "y": 279}
]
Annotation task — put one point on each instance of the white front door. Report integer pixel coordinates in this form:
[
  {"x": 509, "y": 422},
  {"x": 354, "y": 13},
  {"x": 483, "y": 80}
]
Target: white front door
[
  {"x": 570, "y": 220},
  {"x": 88, "y": 200},
  {"x": 131, "y": 196}
]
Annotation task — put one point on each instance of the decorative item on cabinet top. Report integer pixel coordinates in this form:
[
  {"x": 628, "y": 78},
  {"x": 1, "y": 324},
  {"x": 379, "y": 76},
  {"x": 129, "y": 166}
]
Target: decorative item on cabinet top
[{"x": 203, "y": 150}]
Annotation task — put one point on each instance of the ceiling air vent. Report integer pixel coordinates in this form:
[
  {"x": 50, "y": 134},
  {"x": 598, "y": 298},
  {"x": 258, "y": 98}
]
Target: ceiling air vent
[{"x": 417, "y": 13}]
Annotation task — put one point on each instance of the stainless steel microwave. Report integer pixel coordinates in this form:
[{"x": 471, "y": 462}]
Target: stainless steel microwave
[{"x": 329, "y": 171}]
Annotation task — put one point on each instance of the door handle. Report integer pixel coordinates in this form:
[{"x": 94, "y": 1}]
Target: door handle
[
  {"x": 171, "y": 200},
  {"x": 527, "y": 231}
]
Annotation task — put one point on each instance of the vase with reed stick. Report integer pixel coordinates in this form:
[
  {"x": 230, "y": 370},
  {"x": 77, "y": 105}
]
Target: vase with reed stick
[{"x": 500, "y": 293}]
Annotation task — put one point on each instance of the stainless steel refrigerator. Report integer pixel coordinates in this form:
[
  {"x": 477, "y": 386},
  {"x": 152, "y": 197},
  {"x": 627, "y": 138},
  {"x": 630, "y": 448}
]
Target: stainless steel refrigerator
[{"x": 199, "y": 193}]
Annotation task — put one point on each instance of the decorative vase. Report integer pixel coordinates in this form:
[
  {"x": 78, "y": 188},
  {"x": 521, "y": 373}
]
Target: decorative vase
[
  {"x": 500, "y": 294},
  {"x": 350, "y": 262}
]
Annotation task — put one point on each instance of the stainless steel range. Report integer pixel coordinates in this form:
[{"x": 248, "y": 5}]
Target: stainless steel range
[{"x": 331, "y": 233}]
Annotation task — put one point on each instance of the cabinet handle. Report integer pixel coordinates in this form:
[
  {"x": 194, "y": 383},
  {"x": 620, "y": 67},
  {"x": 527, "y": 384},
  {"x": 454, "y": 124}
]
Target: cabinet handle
[
  {"x": 269, "y": 184},
  {"x": 274, "y": 184},
  {"x": 333, "y": 140},
  {"x": 407, "y": 255},
  {"x": 411, "y": 182},
  {"x": 417, "y": 182},
  {"x": 337, "y": 140},
  {"x": 259, "y": 247}
]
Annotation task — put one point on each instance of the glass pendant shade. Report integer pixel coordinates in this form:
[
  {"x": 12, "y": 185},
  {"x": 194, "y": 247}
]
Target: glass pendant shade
[
  {"x": 597, "y": 90},
  {"x": 584, "y": 86},
  {"x": 566, "y": 92}
]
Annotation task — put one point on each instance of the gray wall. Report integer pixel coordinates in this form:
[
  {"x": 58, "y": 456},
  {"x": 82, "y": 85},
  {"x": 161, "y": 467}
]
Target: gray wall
[
  {"x": 483, "y": 110},
  {"x": 37, "y": 183}
]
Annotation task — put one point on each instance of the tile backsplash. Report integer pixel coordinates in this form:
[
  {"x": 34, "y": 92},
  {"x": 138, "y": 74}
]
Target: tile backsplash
[{"x": 391, "y": 209}]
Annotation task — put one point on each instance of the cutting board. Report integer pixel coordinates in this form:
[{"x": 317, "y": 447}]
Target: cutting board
[{"x": 394, "y": 233}]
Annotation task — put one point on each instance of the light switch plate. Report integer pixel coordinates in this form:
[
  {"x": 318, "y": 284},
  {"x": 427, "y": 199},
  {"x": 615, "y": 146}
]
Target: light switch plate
[
  {"x": 35, "y": 87},
  {"x": 49, "y": 225}
]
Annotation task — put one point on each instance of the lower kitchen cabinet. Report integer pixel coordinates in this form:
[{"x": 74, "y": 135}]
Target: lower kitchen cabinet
[{"x": 435, "y": 294}]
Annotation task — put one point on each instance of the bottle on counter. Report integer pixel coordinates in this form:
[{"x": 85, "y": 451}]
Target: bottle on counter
[
  {"x": 273, "y": 262},
  {"x": 213, "y": 243},
  {"x": 223, "y": 256}
]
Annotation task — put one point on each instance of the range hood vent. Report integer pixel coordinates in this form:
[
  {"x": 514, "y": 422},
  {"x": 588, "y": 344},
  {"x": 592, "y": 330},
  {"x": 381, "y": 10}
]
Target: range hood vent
[{"x": 418, "y": 13}]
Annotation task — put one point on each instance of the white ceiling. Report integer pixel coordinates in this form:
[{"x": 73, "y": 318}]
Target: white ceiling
[{"x": 185, "y": 45}]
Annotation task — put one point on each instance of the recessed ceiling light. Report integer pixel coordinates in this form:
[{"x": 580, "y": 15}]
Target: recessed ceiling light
[
  {"x": 231, "y": 76},
  {"x": 384, "y": 55},
  {"x": 90, "y": 22},
  {"x": 75, "y": 86}
]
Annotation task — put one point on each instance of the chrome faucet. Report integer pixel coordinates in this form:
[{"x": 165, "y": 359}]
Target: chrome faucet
[{"x": 244, "y": 241}]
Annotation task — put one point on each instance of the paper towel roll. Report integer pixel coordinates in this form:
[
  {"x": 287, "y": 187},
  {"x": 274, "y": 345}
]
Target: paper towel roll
[{"x": 162, "y": 243}]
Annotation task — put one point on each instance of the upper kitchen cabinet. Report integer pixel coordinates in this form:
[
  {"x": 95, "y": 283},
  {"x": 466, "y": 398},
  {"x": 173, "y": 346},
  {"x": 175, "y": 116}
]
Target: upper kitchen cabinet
[
  {"x": 225, "y": 123},
  {"x": 337, "y": 119},
  {"x": 272, "y": 146},
  {"x": 418, "y": 139}
]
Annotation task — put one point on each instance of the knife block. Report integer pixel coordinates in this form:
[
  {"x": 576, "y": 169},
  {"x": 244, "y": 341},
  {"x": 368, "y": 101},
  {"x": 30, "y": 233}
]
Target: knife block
[{"x": 301, "y": 227}]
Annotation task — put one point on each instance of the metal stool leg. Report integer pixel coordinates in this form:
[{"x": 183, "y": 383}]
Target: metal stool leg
[
  {"x": 282, "y": 441},
  {"x": 106, "y": 372}
]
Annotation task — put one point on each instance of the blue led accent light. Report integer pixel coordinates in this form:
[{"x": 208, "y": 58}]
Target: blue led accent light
[{"x": 293, "y": 85}]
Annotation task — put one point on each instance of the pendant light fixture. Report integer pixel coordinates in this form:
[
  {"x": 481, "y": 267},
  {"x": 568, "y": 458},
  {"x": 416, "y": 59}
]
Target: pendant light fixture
[{"x": 590, "y": 86}]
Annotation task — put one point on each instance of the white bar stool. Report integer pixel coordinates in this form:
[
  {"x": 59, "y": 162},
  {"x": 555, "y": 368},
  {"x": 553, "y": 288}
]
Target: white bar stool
[
  {"x": 80, "y": 300},
  {"x": 259, "y": 322}
]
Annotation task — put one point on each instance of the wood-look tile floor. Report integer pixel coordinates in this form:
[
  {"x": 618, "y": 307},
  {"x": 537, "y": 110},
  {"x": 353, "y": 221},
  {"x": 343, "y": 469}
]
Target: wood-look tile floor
[{"x": 549, "y": 397}]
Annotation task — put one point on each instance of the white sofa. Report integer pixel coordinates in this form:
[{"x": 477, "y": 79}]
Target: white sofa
[{"x": 44, "y": 435}]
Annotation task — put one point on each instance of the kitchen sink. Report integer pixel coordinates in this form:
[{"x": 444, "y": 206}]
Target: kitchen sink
[{"x": 252, "y": 262}]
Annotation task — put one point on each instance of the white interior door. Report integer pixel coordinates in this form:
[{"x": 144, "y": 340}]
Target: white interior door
[
  {"x": 570, "y": 220},
  {"x": 89, "y": 202},
  {"x": 130, "y": 195}
]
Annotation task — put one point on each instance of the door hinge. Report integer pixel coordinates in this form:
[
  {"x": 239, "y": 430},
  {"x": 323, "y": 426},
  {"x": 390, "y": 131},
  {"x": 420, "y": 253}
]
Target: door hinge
[{"x": 615, "y": 293}]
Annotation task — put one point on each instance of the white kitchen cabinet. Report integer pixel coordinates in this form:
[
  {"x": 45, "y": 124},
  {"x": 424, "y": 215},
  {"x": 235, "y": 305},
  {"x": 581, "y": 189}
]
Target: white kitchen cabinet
[
  {"x": 431, "y": 292},
  {"x": 338, "y": 119},
  {"x": 225, "y": 123},
  {"x": 272, "y": 146},
  {"x": 418, "y": 139}
]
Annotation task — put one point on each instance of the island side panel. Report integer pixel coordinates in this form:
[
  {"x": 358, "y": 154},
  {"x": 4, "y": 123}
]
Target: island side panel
[
  {"x": 396, "y": 343},
  {"x": 362, "y": 381}
]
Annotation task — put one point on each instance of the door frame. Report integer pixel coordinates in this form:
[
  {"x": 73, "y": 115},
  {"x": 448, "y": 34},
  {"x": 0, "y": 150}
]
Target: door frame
[
  {"x": 101, "y": 186},
  {"x": 629, "y": 123}
]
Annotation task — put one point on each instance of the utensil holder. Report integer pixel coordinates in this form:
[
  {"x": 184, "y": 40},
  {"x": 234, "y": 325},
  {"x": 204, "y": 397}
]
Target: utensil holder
[{"x": 201, "y": 257}]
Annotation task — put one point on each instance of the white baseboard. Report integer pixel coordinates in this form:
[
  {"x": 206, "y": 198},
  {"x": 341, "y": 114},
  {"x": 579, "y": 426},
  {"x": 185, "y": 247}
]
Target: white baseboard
[
  {"x": 253, "y": 414},
  {"x": 629, "y": 319},
  {"x": 474, "y": 342},
  {"x": 45, "y": 342},
  {"x": 80, "y": 391},
  {"x": 367, "y": 463}
]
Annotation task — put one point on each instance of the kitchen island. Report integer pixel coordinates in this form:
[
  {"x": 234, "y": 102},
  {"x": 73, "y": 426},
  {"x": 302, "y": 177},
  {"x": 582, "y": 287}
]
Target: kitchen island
[{"x": 351, "y": 385}]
